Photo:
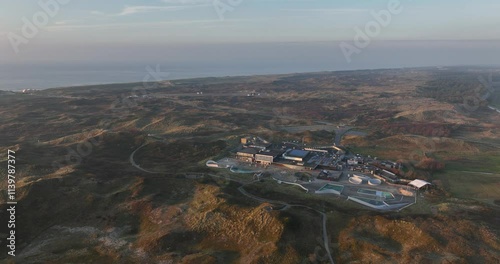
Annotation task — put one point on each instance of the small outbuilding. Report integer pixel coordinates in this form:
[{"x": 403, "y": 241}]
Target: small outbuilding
[{"x": 419, "y": 183}]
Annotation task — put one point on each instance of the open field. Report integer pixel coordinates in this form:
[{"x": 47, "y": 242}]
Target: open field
[
  {"x": 487, "y": 162},
  {"x": 472, "y": 185}
]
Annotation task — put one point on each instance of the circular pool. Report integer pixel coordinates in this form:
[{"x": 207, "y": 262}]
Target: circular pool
[
  {"x": 374, "y": 182},
  {"x": 361, "y": 177},
  {"x": 355, "y": 180}
]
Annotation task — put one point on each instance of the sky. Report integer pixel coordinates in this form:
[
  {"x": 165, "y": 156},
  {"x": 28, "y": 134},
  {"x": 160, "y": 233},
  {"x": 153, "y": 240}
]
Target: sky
[{"x": 184, "y": 31}]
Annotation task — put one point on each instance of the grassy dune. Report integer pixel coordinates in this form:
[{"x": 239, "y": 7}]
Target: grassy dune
[{"x": 80, "y": 200}]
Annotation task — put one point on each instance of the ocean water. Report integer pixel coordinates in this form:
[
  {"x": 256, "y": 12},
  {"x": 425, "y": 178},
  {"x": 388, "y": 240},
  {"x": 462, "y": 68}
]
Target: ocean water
[
  {"x": 122, "y": 65},
  {"x": 43, "y": 76}
]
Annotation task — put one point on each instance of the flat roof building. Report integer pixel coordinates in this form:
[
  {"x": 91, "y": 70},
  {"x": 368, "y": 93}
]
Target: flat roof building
[
  {"x": 296, "y": 155},
  {"x": 268, "y": 156},
  {"x": 247, "y": 154}
]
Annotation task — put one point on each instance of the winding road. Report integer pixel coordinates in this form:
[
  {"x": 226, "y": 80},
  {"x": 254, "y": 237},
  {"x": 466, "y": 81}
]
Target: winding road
[
  {"x": 286, "y": 206},
  {"x": 339, "y": 133},
  {"x": 132, "y": 161},
  {"x": 251, "y": 196}
]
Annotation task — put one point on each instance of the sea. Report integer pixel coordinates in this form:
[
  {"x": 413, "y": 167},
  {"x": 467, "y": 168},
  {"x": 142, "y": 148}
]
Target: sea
[
  {"x": 42, "y": 76},
  {"x": 131, "y": 65}
]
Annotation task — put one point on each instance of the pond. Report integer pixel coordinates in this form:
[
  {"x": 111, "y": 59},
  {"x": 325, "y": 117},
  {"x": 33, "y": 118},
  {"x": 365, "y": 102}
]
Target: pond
[{"x": 239, "y": 170}]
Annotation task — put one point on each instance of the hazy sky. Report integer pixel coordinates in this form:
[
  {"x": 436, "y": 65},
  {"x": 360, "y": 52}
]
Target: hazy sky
[{"x": 133, "y": 29}]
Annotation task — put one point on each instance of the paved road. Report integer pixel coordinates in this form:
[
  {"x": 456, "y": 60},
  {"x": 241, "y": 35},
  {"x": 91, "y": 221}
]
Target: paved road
[
  {"x": 479, "y": 172},
  {"x": 286, "y": 206},
  {"x": 132, "y": 161},
  {"x": 260, "y": 199},
  {"x": 339, "y": 133}
]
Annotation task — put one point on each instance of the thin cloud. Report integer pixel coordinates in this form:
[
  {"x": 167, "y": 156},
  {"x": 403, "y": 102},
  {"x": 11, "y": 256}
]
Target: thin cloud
[
  {"x": 187, "y": 2},
  {"x": 66, "y": 22},
  {"x": 127, "y": 25},
  {"x": 201, "y": 22},
  {"x": 131, "y": 10},
  {"x": 336, "y": 11}
]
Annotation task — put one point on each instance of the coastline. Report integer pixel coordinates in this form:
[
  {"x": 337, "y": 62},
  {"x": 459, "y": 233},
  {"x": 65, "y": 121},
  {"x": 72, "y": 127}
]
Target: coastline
[{"x": 14, "y": 81}]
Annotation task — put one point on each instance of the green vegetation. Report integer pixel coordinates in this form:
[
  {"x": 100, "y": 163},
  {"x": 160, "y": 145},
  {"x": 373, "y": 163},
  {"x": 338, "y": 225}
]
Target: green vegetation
[
  {"x": 472, "y": 185},
  {"x": 177, "y": 156},
  {"x": 488, "y": 162},
  {"x": 452, "y": 86},
  {"x": 474, "y": 177},
  {"x": 102, "y": 209}
]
